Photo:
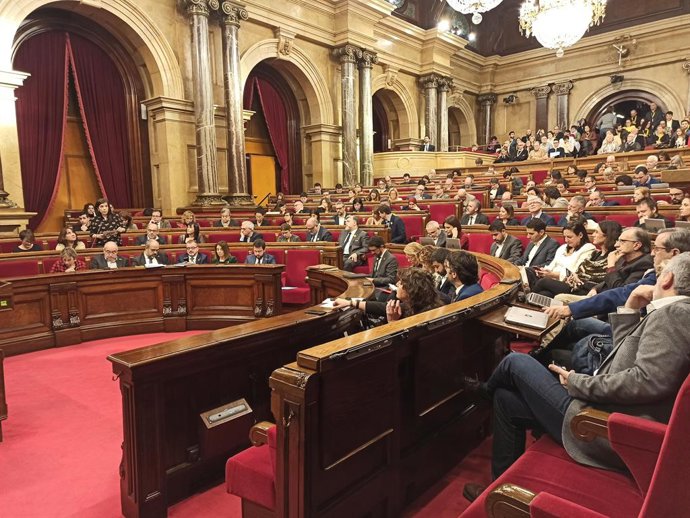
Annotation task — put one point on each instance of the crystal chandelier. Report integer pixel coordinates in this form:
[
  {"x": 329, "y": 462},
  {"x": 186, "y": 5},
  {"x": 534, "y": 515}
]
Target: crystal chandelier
[
  {"x": 560, "y": 23},
  {"x": 473, "y": 6}
]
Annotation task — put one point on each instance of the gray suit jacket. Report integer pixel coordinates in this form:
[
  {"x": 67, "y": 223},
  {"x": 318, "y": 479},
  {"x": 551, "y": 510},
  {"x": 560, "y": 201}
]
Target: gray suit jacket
[
  {"x": 511, "y": 251},
  {"x": 359, "y": 244},
  {"x": 641, "y": 377}
]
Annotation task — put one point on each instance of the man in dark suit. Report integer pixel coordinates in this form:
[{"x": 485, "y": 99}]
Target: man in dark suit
[
  {"x": 643, "y": 178},
  {"x": 446, "y": 289},
  {"x": 463, "y": 272},
  {"x": 340, "y": 213},
  {"x": 109, "y": 260},
  {"x": 576, "y": 210},
  {"x": 385, "y": 269},
  {"x": 648, "y": 209},
  {"x": 473, "y": 214},
  {"x": 259, "y": 255},
  {"x": 151, "y": 233},
  {"x": 247, "y": 234},
  {"x": 504, "y": 246},
  {"x": 226, "y": 219},
  {"x": 427, "y": 145},
  {"x": 355, "y": 244},
  {"x": 640, "y": 377},
  {"x": 541, "y": 249},
  {"x": 193, "y": 256},
  {"x": 151, "y": 256},
  {"x": 654, "y": 116},
  {"x": 434, "y": 231},
  {"x": 534, "y": 205},
  {"x": 259, "y": 217},
  {"x": 315, "y": 232},
  {"x": 394, "y": 223},
  {"x": 598, "y": 199}
]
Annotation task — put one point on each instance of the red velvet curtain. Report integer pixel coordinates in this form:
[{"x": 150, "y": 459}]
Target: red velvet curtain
[
  {"x": 41, "y": 118},
  {"x": 277, "y": 124},
  {"x": 103, "y": 106}
]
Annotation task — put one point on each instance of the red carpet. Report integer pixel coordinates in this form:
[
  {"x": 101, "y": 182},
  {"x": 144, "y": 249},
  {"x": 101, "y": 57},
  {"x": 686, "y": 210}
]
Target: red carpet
[{"x": 61, "y": 448}]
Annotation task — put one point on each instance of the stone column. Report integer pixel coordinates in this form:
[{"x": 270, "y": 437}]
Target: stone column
[
  {"x": 686, "y": 67},
  {"x": 444, "y": 85},
  {"x": 486, "y": 101},
  {"x": 366, "y": 120},
  {"x": 206, "y": 162},
  {"x": 11, "y": 186},
  {"x": 541, "y": 93},
  {"x": 562, "y": 91},
  {"x": 231, "y": 14},
  {"x": 430, "y": 84},
  {"x": 348, "y": 55}
]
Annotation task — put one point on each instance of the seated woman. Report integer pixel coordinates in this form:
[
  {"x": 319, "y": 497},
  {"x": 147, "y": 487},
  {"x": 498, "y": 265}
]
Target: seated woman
[
  {"x": 552, "y": 198},
  {"x": 415, "y": 293},
  {"x": 591, "y": 271},
  {"x": 679, "y": 139},
  {"x": 324, "y": 206},
  {"x": 187, "y": 218},
  {"x": 191, "y": 233},
  {"x": 222, "y": 254},
  {"x": 68, "y": 239},
  {"x": 411, "y": 252},
  {"x": 507, "y": 215},
  {"x": 28, "y": 242},
  {"x": 106, "y": 226},
  {"x": 659, "y": 139},
  {"x": 453, "y": 230},
  {"x": 128, "y": 221},
  {"x": 68, "y": 262},
  {"x": 684, "y": 210},
  {"x": 394, "y": 196},
  {"x": 568, "y": 258},
  {"x": 609, "y": 145},
  {"x": 374, "y": 196},
  {"x": 357, "y": 205},
  {"x": 376, "y": 218},
  {"x": 641, "y": 193}
]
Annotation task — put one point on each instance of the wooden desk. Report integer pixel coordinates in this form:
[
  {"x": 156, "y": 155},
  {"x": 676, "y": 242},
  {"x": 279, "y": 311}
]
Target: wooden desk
[
  {"x": 496, "y": 320},
  {"x": 58, "y": 310}
]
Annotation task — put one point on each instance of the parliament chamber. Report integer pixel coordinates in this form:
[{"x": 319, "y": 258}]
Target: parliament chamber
[{"x": 205, "y": 191}]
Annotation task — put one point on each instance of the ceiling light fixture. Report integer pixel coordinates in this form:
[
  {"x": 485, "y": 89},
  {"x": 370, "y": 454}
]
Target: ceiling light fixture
[{"x": 476, "y": 7}]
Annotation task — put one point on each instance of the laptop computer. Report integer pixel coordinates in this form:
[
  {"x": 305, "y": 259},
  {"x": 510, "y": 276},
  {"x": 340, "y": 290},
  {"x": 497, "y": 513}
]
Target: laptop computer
[
  {"x": 426, "y": 241},
  {"x": 526, "y": 317},
  {"x": 654, "y": 225},
  {"x": 682, "y": 224},
  {"x": 453, "y": 243}
]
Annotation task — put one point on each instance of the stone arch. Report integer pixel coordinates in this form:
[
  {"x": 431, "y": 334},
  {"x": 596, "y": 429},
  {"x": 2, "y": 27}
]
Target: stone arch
[
  {"x": 305, "y": 79},
  {"x": 468, "y": 126},
  {"x": 398, "y": 98},
  {"x": 124, "y": 19},
  {"x": 671, "y": 100}
]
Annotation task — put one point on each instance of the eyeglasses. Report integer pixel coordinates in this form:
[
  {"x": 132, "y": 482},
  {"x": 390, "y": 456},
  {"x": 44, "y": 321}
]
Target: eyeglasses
[
  {"x": 626, "y": 241},
  {"x": 656, "y": 248}
]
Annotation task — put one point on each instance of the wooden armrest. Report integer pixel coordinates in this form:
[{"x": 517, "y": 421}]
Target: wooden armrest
[
  {"x": 258, "y": 434},
  {"x": 589, "y": 424},
  {"x": 509, "y": 501}
]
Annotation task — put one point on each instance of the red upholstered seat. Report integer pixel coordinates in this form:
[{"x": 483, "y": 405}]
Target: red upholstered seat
[
  {"x": 20, "y": 268},
  {"x": 626, "y": 220},
  {"x": 240, "y": 253},
  {"x": 296, "y": 289},
  {"x": 488, "y": 280},
  {"x": 366, "y": 268},
  {"x": 656, "y": 455},
  {"x": 480, "y": 242},
  {"x": 622, "y": 200},
  {"x": 539, "y": 176},
  {"x": 251, "y": 473},
  {"x": 7, "y": 247},
  {"x": 229, "y": 237},
  {"x": 440, "y": 211},
  {"x": 414, "y": 225}
]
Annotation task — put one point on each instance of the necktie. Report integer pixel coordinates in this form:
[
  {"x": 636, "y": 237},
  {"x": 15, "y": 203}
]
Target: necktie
[
  {"x": 376, "y": 265},
  {"x": 258, "y": 261},
  {"x": 471, "y": 220}
]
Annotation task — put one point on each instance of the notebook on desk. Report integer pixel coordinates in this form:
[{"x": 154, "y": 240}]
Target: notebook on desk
[{"x": 526, "y": 317}]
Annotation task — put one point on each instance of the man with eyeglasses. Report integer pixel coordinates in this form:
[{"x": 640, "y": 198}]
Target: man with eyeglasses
[
  {"x": 109, "y": 260},
  {"x": 151, "y": 233},
  {"x": 151, "y": 256},
  {"x": 193, "y": 256}
]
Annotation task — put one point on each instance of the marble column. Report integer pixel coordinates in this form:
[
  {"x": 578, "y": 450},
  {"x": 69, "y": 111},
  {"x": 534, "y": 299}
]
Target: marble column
[
  {"x": 562, "y": 91},
  {"x": 444, "y": 86},
  {"x": 366, "y": 118},
  {"x": 430, "y": 84},
  {"x": 348, "y": 55},
  {"x": 686, "y": 67},
  {"x": 541, "y": 93},
  {"x": 206, "y": 162},
  {"x": 486, "y": 101},
  {"x": 231, "y": 14}
]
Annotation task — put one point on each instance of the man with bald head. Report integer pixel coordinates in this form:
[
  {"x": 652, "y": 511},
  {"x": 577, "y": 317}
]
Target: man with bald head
[
  {"x": 109, "y": 260},
  {"x": 151, "y": 256},
  {"x": 315, "y": 232}
]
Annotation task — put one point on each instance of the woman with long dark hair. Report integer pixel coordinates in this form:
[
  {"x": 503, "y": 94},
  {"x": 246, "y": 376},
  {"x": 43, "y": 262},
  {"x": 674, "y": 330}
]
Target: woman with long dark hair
[
  {"x": 453, "y": 229},
  {"x": 106, "y": 226}
]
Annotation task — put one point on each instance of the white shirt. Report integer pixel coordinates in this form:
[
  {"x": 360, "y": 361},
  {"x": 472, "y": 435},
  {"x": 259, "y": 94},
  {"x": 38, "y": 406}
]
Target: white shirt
[
  {"x": 665, "y": 301},
  {"x": 534, "y": 250},
  {"x": 562, "y": 262},
  {"x": 112, "y": 265},
  {"x": 499, "y": 248},
  {"x": 348, "y": 243},
  {"x": 151, "y": 260}
]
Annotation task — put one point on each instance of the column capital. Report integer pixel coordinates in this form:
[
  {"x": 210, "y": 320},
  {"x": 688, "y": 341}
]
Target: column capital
[
  {"x": 347, "y": 53},
  {"x": 445, "y": 84},
  {"x": 541, "y": 92},
  {"x": 487, "y": 99},
  {"x": 232, "y": 12},
  {"x": 199, "y": 7},
  {"x": 686, "y": 65},
  {"x": 367, "y": 58},
  {"x": 563, "y": 88},
  {"x": 430, "y": 81}
]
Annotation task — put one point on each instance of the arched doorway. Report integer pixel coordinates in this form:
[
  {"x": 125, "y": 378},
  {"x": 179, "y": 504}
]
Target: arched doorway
[
  {"x": 454, "y": 128},
  {"x": 623, "y": 102},
  {"x": 382, "y": 139},
  {"x": 100, "y": 142}
]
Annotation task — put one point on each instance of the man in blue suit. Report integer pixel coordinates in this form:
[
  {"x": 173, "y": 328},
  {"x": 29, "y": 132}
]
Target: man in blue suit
[
  {"x": 541, "y": 249},
  {"x": 259, "y": 255},
  {"x": 463, "y": 271},
  {"x": 394, "y": 223},
  {"x": 534, "y": 205}
]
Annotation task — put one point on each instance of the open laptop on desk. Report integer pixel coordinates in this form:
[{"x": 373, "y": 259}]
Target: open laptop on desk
[
  {"x": 453, "y": 243},
  {"x": 654, "y": 225},
  {"x": 426, "y": 241},
  {"x": 519, "y": 316}
]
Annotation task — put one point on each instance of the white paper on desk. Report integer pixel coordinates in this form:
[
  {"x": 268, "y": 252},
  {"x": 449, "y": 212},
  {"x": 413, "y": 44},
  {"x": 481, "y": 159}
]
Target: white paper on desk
[{"x": 328, "y": 303}]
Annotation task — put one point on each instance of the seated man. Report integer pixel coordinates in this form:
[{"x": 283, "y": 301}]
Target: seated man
[
  {"x": 598, "y": 199},
  {"x": 463, "y": 272},
  {"x": 647, "y": 209},
  {"x": 315, "y": 232},
  {"x": 534, "y": 205},
  {"x": 151, "y": 255},
  {"x": 354, "y": 243},
  {"x": 473, "y": 214},
  {"x": 157, "y": 218},
  {"x": 151, "y": 233},
  {"x": 109, "y": 259},
  {"x": 286, "y": 235},
  {"x": 541, "y": 249},
  {"x": 247, "y": 234},
  {"x": 440, "y": 193},
  {"x": 259, "y": 218},
  {"x": 643, "y": 178},
  {"x": 434, "y": 231},
  {"x": 340, "y": 213},
  {"x": 385, "y": 268},
  {"x": 193, "y": 256},
  {"x": 393, "y": 222},
  {"x": 226, "y": 219},
  {"x": 640, "y": 377},
  {"x": 83, "y": 225},
  {"x": 504, "y": 246},
  {"x": 576, "y": 210},
  {"x": 259, "y": 255},
  {"x": 446, "y": 289}
]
